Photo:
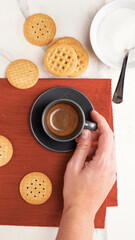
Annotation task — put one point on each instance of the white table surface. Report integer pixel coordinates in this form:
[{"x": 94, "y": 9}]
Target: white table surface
[{"x": 73, "y": 18}]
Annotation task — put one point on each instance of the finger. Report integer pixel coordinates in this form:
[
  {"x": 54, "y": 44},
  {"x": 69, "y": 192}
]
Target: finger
[
  {"x": 100, "y": 120},
  {"x": 82, "y": 149},
  {"x": 95, "y": 135},
  {"x": 92, "y": 150},
  {"x": 77, "y": 139},
  {"x": 105, "y": 146},
  {"x": 106, "y": 137}
]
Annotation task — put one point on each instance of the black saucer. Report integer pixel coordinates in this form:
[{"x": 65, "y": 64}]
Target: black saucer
[{"x": 42, "y": 101}]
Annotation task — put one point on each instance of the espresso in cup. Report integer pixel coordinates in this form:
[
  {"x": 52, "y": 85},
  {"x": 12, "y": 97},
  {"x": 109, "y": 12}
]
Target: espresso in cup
[{"x": 62, "y": 119}]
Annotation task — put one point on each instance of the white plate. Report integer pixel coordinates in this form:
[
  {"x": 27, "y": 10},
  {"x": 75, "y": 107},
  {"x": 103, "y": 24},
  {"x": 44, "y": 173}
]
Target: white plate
[{"x": 106, "y": 41}]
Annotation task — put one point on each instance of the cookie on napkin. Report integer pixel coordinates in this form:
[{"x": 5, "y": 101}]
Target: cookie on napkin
[
  {"x": 35, "y": 188},
  {"x": 6, "y": 150}
]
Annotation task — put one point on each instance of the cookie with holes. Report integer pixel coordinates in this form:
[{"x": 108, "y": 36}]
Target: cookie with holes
[
  {"x": 39, "y": 29},
  {"x": 82, "y": 61},
  {"x": 22, "y": 74},
  {"x": 6, "y": 150},
  {"x": 60, "y": 60},
  {"x": 35, "y": 188}
]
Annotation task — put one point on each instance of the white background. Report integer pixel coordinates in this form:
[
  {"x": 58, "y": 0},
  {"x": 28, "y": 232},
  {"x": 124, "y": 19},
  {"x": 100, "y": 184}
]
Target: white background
[{"x": 73, "y": 18}]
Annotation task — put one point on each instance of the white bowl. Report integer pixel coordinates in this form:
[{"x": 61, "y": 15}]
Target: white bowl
[{"x": 103, "y": 15}]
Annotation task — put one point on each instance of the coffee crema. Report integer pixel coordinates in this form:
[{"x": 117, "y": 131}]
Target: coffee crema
[{"x": 62, "y": 119}]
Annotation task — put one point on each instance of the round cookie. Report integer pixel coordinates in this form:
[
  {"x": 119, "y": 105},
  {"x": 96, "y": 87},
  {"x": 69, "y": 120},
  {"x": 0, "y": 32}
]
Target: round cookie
[
  {"x": 39, "y": 29},
  {"x": 66, "y": 40},
  {"x": 22, "y": 74},
  {"x": 60, "y": 59},
  {"x": 6, "y": 150},
  {"x": 82, "y": 61},
  {"x": 35, "y": 188}
]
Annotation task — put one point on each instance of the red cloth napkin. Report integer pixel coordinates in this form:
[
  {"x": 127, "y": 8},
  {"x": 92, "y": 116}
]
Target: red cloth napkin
[{"x": 29, "y": 155}]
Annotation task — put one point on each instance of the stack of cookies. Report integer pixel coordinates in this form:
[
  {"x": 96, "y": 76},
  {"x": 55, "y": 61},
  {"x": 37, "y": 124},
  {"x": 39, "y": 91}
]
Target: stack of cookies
[{"x": 66, "y": 57}]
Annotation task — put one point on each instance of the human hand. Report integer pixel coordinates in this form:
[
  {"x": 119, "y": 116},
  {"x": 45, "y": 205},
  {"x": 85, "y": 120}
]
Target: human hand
[{"x": 87, "y": 181}]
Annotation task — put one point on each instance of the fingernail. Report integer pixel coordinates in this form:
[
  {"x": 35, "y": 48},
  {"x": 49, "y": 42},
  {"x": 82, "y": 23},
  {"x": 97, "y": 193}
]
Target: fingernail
[
  {"x": 85, "y": 134},
  {"x": 94, "y": 111}
]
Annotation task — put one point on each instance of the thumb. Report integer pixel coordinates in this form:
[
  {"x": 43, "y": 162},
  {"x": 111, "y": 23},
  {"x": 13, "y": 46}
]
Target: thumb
[{"x": 82, "y": 149}]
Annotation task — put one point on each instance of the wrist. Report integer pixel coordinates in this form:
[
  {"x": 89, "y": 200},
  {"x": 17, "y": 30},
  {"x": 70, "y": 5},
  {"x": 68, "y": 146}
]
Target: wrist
[
  {"x": 79, "y": 210},
  {"x": 76, "y": 223}
]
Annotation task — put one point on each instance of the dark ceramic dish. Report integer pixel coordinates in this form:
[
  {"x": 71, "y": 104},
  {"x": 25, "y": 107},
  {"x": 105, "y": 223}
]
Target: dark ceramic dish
[{"x": 38, "y": 107}]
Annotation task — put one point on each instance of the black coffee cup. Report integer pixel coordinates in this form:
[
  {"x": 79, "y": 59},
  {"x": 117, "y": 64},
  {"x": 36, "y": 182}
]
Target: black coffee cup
[{"x": 65, "y": 108}]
